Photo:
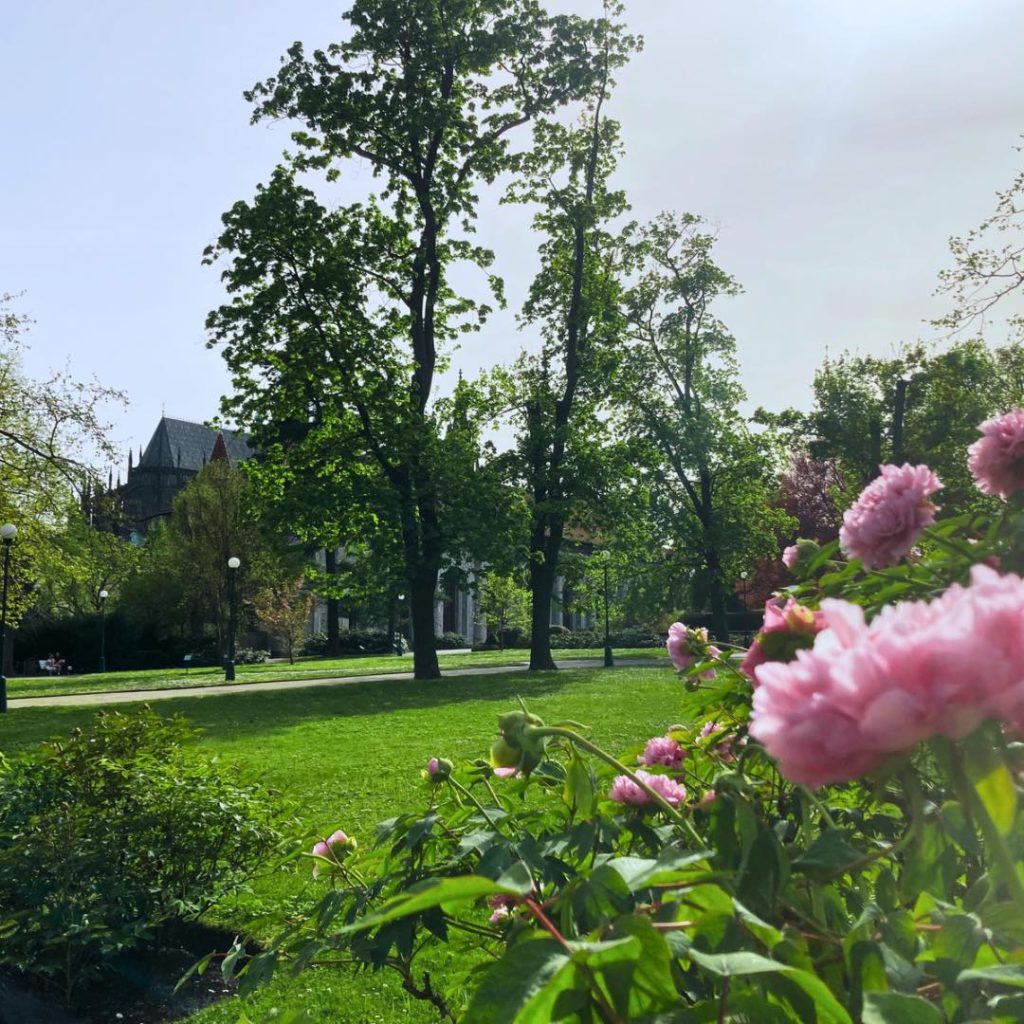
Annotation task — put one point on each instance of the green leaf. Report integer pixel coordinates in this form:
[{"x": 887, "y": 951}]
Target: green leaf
[
  {"x": 994, "y": 785},
  {"x": 829, "y": 855},
  {"x": 671, "y": 866},
  {"x": 579, "y": 788},
  {"x": 729, "y": 965},
  {"x": 523, "y": 985},
  {"x": 897, "y": 1008},
  {"x": 437, "y": 892},
  {"x": 644, "y": 984},
  {"x": 1000, "y": 974}
]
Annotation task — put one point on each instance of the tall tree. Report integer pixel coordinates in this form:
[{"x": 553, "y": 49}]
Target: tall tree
[
  {"x": 557, "y": 395},
  {"x": 341, "y": 316},
  {"x": 50, "y": 430},
  {"x": 711, "y": 479},
  {"x": 987, "y": 277},
  {"x": 917, "y": 406}
]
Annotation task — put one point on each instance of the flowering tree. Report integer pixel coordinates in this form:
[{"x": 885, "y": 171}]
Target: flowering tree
[
  {"x": 835, "y": 836},
  {"x": 284, "y": 608}
]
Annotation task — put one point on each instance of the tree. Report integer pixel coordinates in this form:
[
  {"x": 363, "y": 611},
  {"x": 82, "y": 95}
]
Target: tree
[
  {"x": 711, "y": 480},
  {"x": 49, "y": 431},
  {"x": 557, "y": 396},
  {"x": 988, "y": 270},
  {"x": 212, "y": 520},
  {"x": 284, "y": 608},
  {"x": 504, "y": 604},
  {"x": 341, "y": 317},
  {"x": 920, "y": 406}
]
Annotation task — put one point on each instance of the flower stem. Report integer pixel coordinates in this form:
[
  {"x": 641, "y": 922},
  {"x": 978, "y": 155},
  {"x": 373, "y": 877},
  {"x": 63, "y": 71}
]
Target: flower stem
[
  {"x": 994, "y": 841},
  {"x": 460, "y": 788}
]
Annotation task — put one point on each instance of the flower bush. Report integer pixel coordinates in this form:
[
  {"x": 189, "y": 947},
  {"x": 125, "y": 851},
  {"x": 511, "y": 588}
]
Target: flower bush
[{"x": 835, "y": 837}]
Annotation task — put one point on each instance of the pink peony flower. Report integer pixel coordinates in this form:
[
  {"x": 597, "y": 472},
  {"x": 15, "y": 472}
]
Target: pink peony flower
[
  {"x": 501, "y": 907},
  {"x": 790, "y": 556},
  {"x": 997, "y": 460},
  {"x": 625, "y": 791},
  {"x": 883, "y": 523},
  {"x": 662, "y": 750},
  {"x": 332, "y": 849},
  {"x": 787, "y": 628},
  {"x": 866, "y": 692},
  {"x": 688, "y": 646},
  {"x": 709, "y": 797}
]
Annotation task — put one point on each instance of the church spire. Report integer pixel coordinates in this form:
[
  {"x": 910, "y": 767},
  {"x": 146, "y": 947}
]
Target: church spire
[{"x": 220, "y": 450}]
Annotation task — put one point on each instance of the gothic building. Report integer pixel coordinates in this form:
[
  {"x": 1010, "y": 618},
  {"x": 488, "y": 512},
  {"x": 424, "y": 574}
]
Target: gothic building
[{"x": 176, "y": 452}]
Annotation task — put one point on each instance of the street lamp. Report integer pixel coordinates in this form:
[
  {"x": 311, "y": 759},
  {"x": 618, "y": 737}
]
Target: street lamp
[
  {"x": 397, "y": 638},
  {"x": 103, "y": 629},
  {"x": 229, "y": 665},
  {"x": 7, "y": 534},
  {"x": 743, "y": 603},
  {"x": 609, "y": 661}
]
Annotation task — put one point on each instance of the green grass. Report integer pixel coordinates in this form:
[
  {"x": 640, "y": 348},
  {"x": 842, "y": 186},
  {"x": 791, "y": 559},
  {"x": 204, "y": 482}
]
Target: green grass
[
  {"x": 351, "y": 756},
  {"x": 319, "y": 668}
]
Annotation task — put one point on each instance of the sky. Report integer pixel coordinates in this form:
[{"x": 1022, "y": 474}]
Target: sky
[{"x": 836, "y": 145}]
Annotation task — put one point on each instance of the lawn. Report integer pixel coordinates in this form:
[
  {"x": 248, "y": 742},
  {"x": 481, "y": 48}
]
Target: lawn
[
  {"x": 351, "y": 756},
  {"x": 318, "y": 668}
]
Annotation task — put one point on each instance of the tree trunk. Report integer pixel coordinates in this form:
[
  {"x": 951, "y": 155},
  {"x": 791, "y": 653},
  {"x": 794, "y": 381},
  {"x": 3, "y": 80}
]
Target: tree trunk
[
  {"x": 719, "y": 619},
  {"x": 542, "y": 587},
  {"x": 333, "y": 639},
  {"x": 424, "y": 654}
]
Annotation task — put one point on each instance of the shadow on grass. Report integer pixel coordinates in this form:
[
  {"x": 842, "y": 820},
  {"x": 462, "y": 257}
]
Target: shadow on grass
[{"x": 235, "y": 716}]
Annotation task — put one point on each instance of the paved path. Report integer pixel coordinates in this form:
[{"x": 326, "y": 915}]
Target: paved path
[{"x": 135, "y": 696}]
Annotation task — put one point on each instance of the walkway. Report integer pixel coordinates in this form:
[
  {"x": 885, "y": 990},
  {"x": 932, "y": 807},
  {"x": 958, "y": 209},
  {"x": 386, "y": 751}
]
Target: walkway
[{"x": 134, "y": 696}]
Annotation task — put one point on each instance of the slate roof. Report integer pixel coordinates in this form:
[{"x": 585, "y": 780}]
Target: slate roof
[{"x": 189, "y": 445}]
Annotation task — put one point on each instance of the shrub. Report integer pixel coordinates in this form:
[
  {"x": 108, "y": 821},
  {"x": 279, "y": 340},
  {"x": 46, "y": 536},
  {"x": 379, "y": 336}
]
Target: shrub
[
  {"x": 251, "y": 656},
  {"x": 452, "y": 642},
  {"x": 108, "y": 834}
]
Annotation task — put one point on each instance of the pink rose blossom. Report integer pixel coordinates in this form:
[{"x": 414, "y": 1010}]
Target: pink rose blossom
[
  {"x": 997, "y": 460},
  {"x": 866, "y": 692},
  {"x": 688, "y": 646},
  {"x": 787, "y": 628},
  {"x": 790, "y": 556},
  {"x": 625, "y": 791},
  {"x": 662, "y": 750},
  {"x": 885, "y": 521}
]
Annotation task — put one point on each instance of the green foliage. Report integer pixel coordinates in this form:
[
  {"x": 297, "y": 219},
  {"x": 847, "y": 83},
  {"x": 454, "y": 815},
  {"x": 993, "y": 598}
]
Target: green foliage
[
  {"x": 709, "y": 480},
  {"x": 919, "y": 406},
  {"x": 107, "y": 835},
  {"x": 746, "y": 898},
  {"x": 49, "y": 430}
]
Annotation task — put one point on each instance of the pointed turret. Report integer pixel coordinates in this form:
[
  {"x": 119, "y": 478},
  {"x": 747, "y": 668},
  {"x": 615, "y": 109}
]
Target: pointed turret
[{"x": 220, "y": 450}]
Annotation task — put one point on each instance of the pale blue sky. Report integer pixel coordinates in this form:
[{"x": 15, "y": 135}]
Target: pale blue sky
[{"x": 836, "y": 143}]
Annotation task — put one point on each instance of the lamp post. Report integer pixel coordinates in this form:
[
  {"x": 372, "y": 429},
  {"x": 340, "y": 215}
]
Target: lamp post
[
  {"x": 103, "y": 629},
  {"x": 743, "y": 603},
  {"x": 7, "y": 534},
  {"x": 229, "y": 665},
  {"x": 609, "y": 661}
]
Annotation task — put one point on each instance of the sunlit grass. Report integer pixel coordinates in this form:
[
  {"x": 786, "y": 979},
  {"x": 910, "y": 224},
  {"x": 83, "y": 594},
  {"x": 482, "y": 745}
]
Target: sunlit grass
[
  {"x": 351, "y": 756},
  {"x": 312, "y": 668}
]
